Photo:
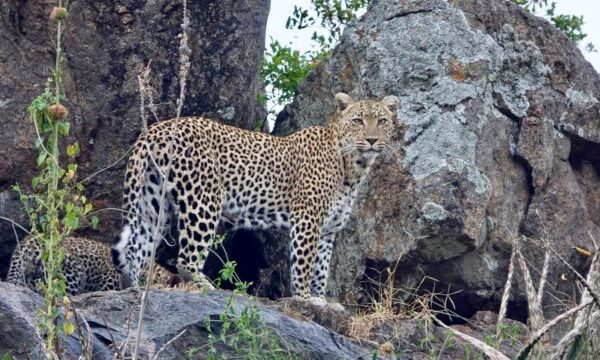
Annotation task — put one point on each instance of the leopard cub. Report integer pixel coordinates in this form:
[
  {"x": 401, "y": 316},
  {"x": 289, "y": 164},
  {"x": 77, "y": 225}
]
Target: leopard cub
[{"x": 87, "y": 266}]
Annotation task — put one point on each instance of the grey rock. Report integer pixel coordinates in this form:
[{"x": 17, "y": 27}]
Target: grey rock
[
  {"x": 107, "y": 44},
  {"x": 500, "y": 131},
  {"x": 20, "y": 336},
  {"x": 168, "y": 314}
]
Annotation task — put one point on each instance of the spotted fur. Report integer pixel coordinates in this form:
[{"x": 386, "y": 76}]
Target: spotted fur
[
  {"x": 87, "y": 266},
  {"x": 305, "y": 182}
]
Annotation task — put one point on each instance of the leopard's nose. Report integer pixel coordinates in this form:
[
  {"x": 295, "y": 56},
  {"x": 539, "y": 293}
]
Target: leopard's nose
[{"x": 372, "y": 140}]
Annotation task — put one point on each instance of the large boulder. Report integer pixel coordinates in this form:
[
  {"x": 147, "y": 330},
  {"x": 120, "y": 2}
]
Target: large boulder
[
  {"x": 501, "y": 136},
  {"x": 180, "y": 322},
  {"x": 107, "y": 45}
]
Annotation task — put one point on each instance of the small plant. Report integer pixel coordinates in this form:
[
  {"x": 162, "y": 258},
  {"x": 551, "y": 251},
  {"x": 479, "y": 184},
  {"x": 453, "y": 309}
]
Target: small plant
[
  {"x": 56, "y": 206},
  {"x": 191, "y": 353},
  {"x": 243, "y": 330}
]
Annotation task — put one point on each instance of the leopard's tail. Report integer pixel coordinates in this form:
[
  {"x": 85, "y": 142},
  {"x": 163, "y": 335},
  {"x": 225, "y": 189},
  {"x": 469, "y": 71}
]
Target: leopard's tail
[{"x": 131, "y": 251}]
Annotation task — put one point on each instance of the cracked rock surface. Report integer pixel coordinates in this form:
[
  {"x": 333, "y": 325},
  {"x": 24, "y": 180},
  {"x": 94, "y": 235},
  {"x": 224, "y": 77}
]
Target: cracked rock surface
[{"x": 501, "y": 136}]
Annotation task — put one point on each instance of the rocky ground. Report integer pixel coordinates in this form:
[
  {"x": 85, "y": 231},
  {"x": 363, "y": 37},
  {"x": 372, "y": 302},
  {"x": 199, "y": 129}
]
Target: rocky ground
[{"x": 179, "y": 322}]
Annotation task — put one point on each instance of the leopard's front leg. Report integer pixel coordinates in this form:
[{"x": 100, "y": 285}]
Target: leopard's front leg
[
  {"x": 321, "y": 268},
  {"x": 305, "y": 233}
]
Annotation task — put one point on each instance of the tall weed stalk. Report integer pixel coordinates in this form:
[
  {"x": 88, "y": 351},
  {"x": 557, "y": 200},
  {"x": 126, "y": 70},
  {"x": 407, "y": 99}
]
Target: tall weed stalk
[{"x": 56, "y": 205}]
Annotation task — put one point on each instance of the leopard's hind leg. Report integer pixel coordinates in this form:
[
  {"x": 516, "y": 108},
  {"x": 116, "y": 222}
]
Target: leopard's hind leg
[{"x": 198, "y": 194}]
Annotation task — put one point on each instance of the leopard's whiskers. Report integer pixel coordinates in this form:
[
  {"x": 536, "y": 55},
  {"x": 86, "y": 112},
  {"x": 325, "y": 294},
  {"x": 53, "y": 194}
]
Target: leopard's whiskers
[
  {"x": 347, "y": 149},
  {"x": 394, "y": 154}
]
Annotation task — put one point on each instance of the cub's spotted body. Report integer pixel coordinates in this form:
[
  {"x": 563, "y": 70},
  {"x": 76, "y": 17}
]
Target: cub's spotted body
[
  {"x": 87, "y": 266},
  {"x": 305, "y": 182}
]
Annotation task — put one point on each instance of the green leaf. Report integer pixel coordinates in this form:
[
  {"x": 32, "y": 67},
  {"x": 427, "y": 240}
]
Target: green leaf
[
  {"x": 35, "y": 181},
  {"x": 95, "y": 222},
  {"x": 69, "y": 328},
  {"x": 71, "y": 220},
  {"x": 46, "y": 125},
  {"x": 63, "y": 128},
  {"x": 73, "y": 150},
  {"x": 69, "y": 207},
  {"x": 41, "y": 157},
  {"x": 88, "y": 208}
]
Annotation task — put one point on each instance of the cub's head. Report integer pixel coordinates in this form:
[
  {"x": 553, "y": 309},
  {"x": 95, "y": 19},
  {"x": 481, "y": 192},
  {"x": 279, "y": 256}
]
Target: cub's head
[{"x": 365, "y": 126}]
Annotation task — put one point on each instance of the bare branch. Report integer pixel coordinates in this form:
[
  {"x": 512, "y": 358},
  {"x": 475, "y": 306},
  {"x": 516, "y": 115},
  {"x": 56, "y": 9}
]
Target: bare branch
[
  {"x": 544, "y": 276},
  {"x": 492, "y": 353},
  {"x": 168, "y": 343}
]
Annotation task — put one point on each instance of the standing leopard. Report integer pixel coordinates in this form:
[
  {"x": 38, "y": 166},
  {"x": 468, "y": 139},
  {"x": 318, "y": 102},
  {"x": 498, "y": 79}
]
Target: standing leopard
[
  {"x": 87, "y": 266},
  {"x": 305, "y": 182}
]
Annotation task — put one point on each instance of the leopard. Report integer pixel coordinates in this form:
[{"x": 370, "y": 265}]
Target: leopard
[
  {"x": 194, "y": 174},
  {"x": 87, "y": 266}
]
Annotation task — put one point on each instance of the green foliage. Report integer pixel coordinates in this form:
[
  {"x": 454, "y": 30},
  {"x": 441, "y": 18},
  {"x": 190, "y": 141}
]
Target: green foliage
[
  {"x": 331, "y": 15},
  {"x": 570, "y": 25},
  {"x": 284, "y": 68}
]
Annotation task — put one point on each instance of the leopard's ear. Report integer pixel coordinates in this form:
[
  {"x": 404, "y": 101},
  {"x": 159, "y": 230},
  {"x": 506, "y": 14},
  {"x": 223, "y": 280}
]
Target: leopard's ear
[
  {"x": 392, "y": 103},
  {"x": 342, "y": 101}
]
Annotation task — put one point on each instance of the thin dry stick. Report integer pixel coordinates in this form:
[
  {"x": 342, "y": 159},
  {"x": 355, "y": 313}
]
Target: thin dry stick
[
  {"x": 592, "y": 292},
  {"x": 168, "y": 343},
  {"x": 583, "y": 320},
  {"x": 117, "y": 354},
  {"x": 141, "y": 87},
  {"x": 492, "y": 353},
  {"x": 108, "y": 167},
  {"x": 544, "y": 276},
  {"x": 596, "y": 246},
  {"x": 147, "y": 94},
  {"x": 506, "y": 294},
  {"x": 123, "y": 347},
  {"x": 89, "y": 345},
  {"x": 526, "y": 349},
  {"x": 156, "y": 238},
  {"x": 15, "y": 223},
  {"x": 184, "y": 67}
]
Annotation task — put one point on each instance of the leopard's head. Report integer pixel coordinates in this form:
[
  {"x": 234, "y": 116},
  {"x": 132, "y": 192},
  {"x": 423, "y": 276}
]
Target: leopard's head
[{"x": 365, "y": 126}]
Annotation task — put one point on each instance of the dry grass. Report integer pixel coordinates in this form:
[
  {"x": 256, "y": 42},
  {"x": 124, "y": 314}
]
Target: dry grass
[
  {"x": 382, "y": 308},
  {"x": 384, "y": 311},
  {"x": 383, "y": 321}
]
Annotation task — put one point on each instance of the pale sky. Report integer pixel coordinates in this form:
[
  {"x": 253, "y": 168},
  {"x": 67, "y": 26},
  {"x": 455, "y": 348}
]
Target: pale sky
[{"x": 280, "y": 10}]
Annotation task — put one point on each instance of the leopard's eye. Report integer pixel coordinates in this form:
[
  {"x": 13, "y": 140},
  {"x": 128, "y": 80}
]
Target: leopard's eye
[
  {"x": 357, "y": 121},
  {"x": 382, "y": 121}
]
